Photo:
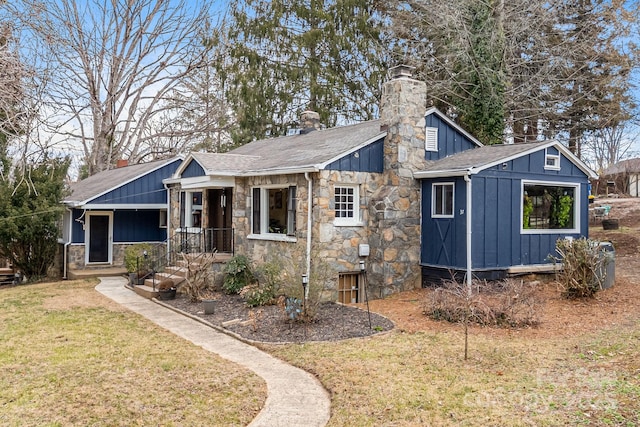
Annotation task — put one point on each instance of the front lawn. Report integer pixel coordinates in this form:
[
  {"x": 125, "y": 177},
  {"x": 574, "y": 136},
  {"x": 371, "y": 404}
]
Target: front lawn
[{"x": 70, "y": 356}]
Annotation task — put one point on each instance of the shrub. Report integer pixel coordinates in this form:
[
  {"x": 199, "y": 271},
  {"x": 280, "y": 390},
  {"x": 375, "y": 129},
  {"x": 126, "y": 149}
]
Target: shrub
[
  {"x": 509, "y": 303},
  {"x": 581, "y": 261},
  {"x": 131, "y": 255},
  {"x": 198, "y": 283},
  {"x": 238, "y": 274},
  {"x": 263, "y": 292}
]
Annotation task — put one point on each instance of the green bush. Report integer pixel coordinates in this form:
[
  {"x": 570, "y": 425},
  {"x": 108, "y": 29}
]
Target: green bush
[
  {"x": 131, "y": 255},
  {"x": 237, "y": 274}
]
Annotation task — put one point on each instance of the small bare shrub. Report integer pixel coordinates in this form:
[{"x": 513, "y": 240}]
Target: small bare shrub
[
  {"x": 581, "y": 261},
  {"x": 199, "y": 280},
  {"x": 509, "y": 303}
]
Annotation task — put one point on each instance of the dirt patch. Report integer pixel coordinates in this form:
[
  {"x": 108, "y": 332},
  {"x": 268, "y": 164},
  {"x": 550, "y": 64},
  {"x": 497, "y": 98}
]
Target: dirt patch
[{"x": 81, "y": 298}]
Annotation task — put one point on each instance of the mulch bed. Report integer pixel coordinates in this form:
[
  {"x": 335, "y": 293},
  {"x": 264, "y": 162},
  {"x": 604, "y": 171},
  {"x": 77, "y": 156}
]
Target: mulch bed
[{"x": 270, "y": 323}]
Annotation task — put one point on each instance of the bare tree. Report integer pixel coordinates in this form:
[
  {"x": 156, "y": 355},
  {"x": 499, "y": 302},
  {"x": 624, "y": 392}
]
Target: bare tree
[
  {"x": 561, "y": 67},
  {"x": 608, "y": 146},
  {"x": 112, "y": 64}
]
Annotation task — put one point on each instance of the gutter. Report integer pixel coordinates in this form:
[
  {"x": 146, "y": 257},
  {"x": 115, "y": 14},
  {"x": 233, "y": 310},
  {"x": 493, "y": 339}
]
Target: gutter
[
  {"x": 168, "y": 219},
  {"x": 65, "y": 250},
  {"x": 467, "y": 179},
  {"x": 309, "y": 224}
]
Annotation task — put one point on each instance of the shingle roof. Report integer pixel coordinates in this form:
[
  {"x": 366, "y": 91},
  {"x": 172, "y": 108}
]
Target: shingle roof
[
  {"x": 481, "y": 157},
  {"x": 307, "y": 150},
  {"x": 104, "y": 181},
  {"x": 222, "y": 163},
  {"x": 624, "y": 166}
]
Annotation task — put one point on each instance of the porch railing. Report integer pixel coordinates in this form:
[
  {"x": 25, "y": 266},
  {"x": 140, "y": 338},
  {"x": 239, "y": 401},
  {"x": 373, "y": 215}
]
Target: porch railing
[{"x": 205, "y": 240}]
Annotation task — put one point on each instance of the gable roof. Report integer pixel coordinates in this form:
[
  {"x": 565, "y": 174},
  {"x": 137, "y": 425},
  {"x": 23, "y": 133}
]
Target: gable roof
[
  {"x": 624, "y": 166},
  {"x": 103, "y": 182},
  {"x": 307, "y": 152},
  {"x": 473, "y": 161},
  {"x": 287, "y": 154},
  {"x": 451, "y": 123}
]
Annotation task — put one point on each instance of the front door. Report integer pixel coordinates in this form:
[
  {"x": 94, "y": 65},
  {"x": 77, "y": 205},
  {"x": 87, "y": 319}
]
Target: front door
[
  {"x": 98, "y": 237},
  {"x": 219, "y": 228}
]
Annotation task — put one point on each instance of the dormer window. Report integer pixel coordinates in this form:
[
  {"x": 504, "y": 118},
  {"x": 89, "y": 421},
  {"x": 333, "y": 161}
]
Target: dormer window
[
  {"x": 551, "y": 159},
  {"x": 431, "y": 139}
]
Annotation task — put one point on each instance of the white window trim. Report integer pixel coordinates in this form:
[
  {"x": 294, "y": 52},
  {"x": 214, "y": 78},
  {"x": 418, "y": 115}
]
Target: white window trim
[
  {"x": 349, "y": 222},
  {"x": 433, "y": 199},
  {"x": 264, "y": 217},
  {"x": 556, "y": 160},
  {"x": 576, "y": 208},
  {"x": 431, "y": 139}
]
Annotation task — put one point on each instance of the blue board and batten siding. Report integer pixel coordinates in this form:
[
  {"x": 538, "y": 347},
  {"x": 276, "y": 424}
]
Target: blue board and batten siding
[
  {"x": 193, "y": 170},
  {"x": 130, "y": 223},
  {"x": 498, "y": 242},
  {"x": 450, "y": 139},
  {"x": 367, "y": 159},
  {"x": 147, "y": 189}
]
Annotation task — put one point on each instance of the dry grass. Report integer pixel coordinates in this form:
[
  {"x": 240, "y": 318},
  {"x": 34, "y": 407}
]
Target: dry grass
[
  {"x": 72, "y": 357},
  {"x": 417, "y": 379}
]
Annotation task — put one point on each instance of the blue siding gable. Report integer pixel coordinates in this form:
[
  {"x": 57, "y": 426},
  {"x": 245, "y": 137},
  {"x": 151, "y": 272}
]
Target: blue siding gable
[
  {"x": 450, "y": 139},
  {"x": 367, "y": 159},
  {"x": 192, "y": 170},
  {"x": 146, "y": 189}
]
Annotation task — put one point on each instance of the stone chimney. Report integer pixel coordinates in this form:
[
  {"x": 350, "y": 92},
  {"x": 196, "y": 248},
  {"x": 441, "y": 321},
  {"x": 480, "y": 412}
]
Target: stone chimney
[
  {"x": 394, "y": 208},
  {"x": 309, "y": 121}
]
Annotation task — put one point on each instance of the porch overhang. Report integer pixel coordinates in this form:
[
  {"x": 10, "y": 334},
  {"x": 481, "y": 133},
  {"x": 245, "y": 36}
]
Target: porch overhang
[{"x": 200, "y": 182}]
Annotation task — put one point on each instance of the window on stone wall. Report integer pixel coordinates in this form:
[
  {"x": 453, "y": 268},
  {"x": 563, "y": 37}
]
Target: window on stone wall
[
  {"x": 274, "y": 210},
  {"x": 549, "y": 206},
  {"x": 346, "y": 202},
  {"x": 442, "y": 200}
]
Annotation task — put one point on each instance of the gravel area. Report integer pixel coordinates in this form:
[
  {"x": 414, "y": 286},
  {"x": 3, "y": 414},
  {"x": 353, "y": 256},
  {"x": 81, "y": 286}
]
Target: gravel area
[{"x": 271, "y": 324}]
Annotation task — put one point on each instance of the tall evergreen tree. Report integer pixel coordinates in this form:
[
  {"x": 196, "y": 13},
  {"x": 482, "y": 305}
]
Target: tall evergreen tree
[
  {"x": 289, "y": 56},
  {"x": 553, "y": 69},
  {"x": 30, "y": 211},
  {"x": 595, "y": 88}
]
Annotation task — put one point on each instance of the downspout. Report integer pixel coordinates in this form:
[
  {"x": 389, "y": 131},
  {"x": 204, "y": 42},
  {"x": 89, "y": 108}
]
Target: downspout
[
  {"x": 309, "y": 223},
  {"x": 469, "y": 258},
  {"x": 65, "y": 250},
  {"x": 168, "y": 221}
]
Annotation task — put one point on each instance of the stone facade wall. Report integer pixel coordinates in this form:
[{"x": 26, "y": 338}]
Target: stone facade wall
[{"x": 76, "y": 257}]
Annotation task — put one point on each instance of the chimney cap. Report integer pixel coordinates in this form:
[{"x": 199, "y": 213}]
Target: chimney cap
[{"x": 401, "y": 70}]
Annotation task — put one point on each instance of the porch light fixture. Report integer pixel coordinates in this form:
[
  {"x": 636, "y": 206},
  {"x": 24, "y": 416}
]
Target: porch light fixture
[{"x": 362, "y": 266}]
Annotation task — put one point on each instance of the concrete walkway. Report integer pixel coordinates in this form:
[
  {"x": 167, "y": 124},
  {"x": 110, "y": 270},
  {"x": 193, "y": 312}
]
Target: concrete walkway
[{"x": 295, "y": 397}]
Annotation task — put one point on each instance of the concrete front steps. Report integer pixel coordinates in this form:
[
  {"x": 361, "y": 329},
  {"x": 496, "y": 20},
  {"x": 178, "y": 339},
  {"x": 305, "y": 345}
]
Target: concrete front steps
[{"x": 177, "y": 273}]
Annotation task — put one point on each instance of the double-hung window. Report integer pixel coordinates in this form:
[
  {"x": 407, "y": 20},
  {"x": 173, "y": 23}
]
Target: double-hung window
[
  {"x": 442, "y": 200},
  {"x": 274, "y": 210},
  {"x": 346, "y": 204}
]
